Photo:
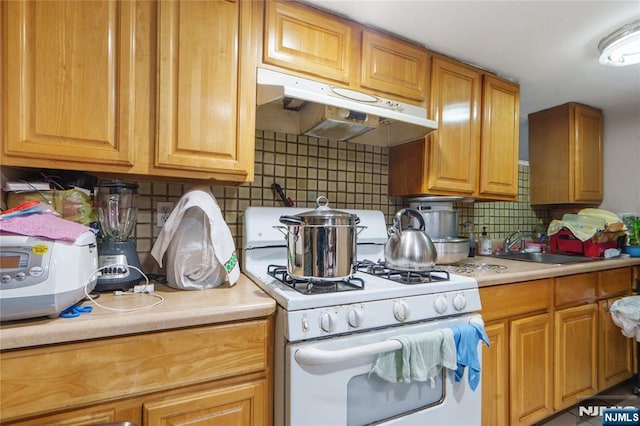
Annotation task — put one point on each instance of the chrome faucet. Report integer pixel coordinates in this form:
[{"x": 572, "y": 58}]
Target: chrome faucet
[{"x": 510, "y": 242}]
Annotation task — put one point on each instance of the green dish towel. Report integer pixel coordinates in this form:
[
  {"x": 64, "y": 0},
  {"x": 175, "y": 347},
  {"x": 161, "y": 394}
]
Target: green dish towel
[{"x": 421, "y": 358}]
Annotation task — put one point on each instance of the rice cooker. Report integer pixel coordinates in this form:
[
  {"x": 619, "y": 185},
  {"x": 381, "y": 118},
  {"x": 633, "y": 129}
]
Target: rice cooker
[{"x": 43, "y": 277}]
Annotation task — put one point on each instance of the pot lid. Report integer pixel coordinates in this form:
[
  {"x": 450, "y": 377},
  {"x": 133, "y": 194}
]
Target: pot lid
[{"x": 324, "y": 212}]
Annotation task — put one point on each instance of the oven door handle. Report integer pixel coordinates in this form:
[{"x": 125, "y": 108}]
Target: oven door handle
[{"x": 314, "y": 356}]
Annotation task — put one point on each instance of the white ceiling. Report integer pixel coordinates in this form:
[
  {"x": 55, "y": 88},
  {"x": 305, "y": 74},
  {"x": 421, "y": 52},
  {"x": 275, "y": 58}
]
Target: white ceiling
[{"x": 548, "y": 47}]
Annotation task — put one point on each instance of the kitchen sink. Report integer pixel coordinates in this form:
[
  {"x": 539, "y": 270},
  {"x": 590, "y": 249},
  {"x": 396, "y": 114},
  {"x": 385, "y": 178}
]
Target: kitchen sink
[{"x": 544, "y": 257}]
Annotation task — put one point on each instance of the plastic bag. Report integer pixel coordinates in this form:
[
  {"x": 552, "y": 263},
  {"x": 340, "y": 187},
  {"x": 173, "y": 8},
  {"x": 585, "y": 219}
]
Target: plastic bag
[
  {"x": 197, "y": 268},
  {"x": 71, "y": 204}
]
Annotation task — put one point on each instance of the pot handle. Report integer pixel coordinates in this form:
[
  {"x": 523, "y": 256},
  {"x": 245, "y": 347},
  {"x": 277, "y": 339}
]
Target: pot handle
[
  {"x": 397, "y": 224},
  {"x": 291, "y": 220},
  {"x": 285, "y": 231}
]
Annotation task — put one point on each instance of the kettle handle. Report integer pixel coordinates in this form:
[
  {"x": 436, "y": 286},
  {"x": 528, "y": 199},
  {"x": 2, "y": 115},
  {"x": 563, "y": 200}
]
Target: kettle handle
[{"x": 397, "y": 224}]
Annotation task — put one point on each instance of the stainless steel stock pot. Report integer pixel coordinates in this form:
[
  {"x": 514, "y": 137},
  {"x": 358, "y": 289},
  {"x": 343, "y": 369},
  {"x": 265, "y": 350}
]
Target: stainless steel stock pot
[{"x": 321, "y": 243}]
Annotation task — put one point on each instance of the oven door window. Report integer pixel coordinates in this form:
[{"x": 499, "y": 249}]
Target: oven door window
[{"x": 371, "y": 399}]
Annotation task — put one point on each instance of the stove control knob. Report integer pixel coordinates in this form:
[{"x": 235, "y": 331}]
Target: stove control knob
[
  {"x": 328, "y": 321},
  {"x": 440, "y": 304},
  {"x": 354, "y": 317},
  {"x": 459, "y": 302},
  {"x": 401, "y": 310}
]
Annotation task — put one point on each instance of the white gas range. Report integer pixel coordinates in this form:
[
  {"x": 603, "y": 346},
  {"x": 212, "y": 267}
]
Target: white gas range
[{"x": 319, "y": 329}]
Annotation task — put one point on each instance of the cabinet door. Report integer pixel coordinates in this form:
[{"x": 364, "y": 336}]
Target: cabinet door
[
  {"x": 242, "y": 404},
  {"x": 495, "y": 376},
  {"x": 455, "y": 97},
  {"x": 575, "y": 354},
  {"x": 79, "y": 417},
  {"x": 206, "y": 99},
  {"x": 499, "y": 148},
  {"x": 615, "y": 351},
  {"x": 530, "y": 373},
  {"x": 308, "y": 41},
  {"x": 587, "y": 151},
  {"x": 69, "y": 71},
  {"x": 395, "y": 67}
]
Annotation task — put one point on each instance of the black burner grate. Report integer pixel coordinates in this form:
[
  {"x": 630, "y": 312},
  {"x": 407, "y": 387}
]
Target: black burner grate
[
  {"x": 380, "y": 269},
  {"x": 311, "y": 286}
]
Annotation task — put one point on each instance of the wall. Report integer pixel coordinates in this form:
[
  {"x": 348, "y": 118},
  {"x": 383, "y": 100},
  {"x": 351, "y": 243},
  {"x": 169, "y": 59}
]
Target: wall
[
  {"x": 622, "y": 160},
  {"x": 350, "y": 175}
]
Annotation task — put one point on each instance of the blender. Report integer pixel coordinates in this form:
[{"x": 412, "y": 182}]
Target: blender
[{"x": 117, "y": 206}]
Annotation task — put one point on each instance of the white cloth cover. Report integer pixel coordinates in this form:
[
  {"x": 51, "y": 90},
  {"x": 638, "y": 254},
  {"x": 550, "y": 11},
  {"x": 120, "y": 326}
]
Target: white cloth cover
[
  {"x": 200, "y": 250},
  {"x": 625, "y": 313}
]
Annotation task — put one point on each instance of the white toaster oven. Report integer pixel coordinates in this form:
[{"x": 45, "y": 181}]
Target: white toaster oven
[{"x": 42, "y": 277}]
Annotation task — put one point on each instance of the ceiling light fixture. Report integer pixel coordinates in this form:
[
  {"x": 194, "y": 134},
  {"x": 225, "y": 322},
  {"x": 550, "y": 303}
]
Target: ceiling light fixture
[{"x": 622, "y": 47}]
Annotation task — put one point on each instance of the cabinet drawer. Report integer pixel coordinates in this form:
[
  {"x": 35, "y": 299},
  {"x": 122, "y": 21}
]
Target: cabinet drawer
[
  {"x": 502, "y": 301},
  {"x": 33, "y": 380},
  {"x": 614, "y": 281},
  {"x": 575, "y": 289}
]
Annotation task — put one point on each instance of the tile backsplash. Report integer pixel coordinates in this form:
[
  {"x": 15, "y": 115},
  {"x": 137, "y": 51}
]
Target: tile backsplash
[{"x": 350, "y": 175}]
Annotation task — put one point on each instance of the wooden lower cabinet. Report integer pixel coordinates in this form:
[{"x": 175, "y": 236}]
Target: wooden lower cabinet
[
  {"x": 553, "y": 343},
  {"x": 530, "y": 375},
  {"x": 233, "y": 405},
  {"x": 516, "y": 368},
  {"x": 576, "y": 338},
  {"x": 615, "y": 356},
  {"x": 215, "y": 375},
  {"x": 495, "y": 386}
]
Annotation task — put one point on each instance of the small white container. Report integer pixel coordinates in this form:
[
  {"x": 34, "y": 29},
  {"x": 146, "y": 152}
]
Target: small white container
[
  {"x": 533, "y": 248},
  {"x": 486, "y": 247}
]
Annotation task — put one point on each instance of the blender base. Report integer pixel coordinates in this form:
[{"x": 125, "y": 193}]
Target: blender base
[{"x": 119, "y": 254}]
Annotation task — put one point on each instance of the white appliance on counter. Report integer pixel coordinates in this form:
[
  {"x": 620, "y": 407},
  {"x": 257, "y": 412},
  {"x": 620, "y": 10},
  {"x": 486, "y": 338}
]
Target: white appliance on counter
[
  {"x": 42, "y": 277},
  {"x": 328, "y": 333}
]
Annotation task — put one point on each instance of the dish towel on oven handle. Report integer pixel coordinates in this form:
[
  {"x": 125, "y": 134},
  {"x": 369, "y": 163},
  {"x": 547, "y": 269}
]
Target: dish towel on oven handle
[
  {"x": 467, "y": 337},
  {"x": 421, "y": 358},
  {"x": 194, "y": 271}
]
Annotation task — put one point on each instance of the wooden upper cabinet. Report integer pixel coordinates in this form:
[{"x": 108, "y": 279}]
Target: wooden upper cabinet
[
  {"x": 565, "y": 154},
  {"x": 393, "y": 66},
  {"x": 499, "y": 147},
  {"x": 206, "y": 88},
  {"x": 446, "y": 162},
  {"x": 309, "y": 41},
  {"x": 453, "y": 148},
  {"x": 474, "y": 152},
  {"x": 69, "y": 71}
]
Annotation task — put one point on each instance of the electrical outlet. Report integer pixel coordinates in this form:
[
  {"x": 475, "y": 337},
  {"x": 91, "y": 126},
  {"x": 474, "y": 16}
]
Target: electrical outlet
[{"x": 163, "y": 210}]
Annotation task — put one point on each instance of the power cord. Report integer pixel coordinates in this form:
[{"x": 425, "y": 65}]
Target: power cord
[{"x": 147, "y": 290}]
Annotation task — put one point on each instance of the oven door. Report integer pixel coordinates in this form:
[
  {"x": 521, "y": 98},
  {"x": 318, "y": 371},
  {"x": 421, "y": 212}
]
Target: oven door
[{"x": 327, "y": 382}]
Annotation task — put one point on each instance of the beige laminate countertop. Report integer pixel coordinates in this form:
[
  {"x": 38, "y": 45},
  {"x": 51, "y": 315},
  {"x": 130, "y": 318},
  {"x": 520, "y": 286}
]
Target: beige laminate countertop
[
  {"x": 240, "y": 302},
  {"x": 180, "y": 309},
  {"x": 517, "y": 271}
]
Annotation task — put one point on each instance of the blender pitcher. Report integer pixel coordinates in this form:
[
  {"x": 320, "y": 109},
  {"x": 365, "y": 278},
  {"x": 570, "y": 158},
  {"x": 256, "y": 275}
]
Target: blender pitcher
[{"x": 117, "y": 205}]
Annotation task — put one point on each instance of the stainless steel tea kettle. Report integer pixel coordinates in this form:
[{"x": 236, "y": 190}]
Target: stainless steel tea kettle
[{"x": 409, "y": 249}]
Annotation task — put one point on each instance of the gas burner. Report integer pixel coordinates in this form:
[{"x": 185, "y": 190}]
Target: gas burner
[
  {"x": 311, "y": 286},
  {"x": 380, "y": 269}
]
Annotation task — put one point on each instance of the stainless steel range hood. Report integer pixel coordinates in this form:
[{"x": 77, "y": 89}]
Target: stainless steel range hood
[{"x": 296, "y": 105}]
